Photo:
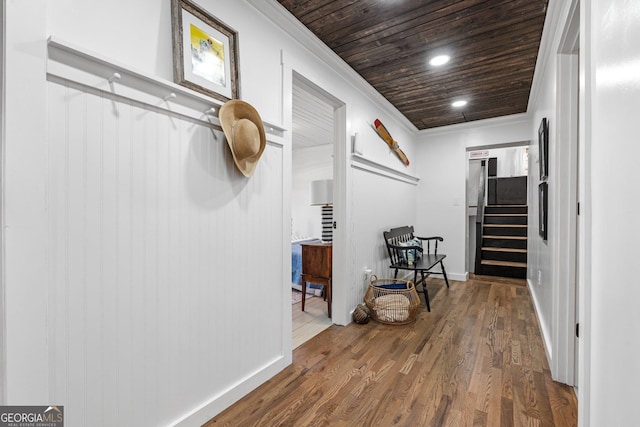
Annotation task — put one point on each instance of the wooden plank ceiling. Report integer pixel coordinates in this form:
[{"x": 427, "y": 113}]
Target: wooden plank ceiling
[
  {"x": 493, "y": 45},
  {"x": 312, "y": 119}
]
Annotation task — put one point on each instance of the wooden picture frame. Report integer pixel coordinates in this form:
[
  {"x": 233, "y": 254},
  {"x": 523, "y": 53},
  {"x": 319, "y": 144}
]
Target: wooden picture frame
[
  {"x": 205, "y": 52},
  {"x": 543, "y": 145},
  {"x": 543, "y": 209}
]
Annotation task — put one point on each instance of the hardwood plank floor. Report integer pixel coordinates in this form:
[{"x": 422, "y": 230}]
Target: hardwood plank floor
[
  {"x": 476, "y": 360},
  {"x": 310, "y": 322}
]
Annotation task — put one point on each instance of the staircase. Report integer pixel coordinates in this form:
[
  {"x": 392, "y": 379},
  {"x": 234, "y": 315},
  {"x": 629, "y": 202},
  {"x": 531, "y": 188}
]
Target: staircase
[{"x": 504, "y": 241}]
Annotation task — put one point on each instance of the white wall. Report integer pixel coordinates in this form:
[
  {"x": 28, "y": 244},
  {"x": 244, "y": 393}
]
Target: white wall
[
  {"x": 539, "y": 271},
  {"x": 382, "y": 204},
  {"x": 609, "y": 33},
  {"x": 511, "y": 161},
  {"x": 442, "y": 158},
  {"x": 24, "y": 165},
  {"x": 128, "y": 230},
  {"x": 309, "y": 164},
  {"x": 3, "y": 378}
]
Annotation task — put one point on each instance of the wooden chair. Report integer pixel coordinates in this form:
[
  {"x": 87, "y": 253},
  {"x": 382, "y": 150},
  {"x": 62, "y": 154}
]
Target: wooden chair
[
  {"x": 400, "y": 241},
  {"x": 316, "y": 268}
]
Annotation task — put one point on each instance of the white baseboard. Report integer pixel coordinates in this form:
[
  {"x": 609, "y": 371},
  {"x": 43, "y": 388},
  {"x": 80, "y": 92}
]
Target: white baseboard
[
  {"x": 226, "y": 398},
  {"x": 458, "y": 277},
  {"x": 546, "y": 339}
]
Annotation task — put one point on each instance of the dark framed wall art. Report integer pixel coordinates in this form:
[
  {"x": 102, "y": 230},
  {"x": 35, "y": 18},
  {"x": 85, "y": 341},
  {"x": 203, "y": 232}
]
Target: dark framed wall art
[
  {"x": 205, "y": 52},
  {"x": 543, "y": 147},
  {"x": 543, "y": 208}
]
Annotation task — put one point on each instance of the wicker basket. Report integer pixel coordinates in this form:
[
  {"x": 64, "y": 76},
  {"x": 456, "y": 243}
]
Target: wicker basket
[{"x": 392, "y": 301}]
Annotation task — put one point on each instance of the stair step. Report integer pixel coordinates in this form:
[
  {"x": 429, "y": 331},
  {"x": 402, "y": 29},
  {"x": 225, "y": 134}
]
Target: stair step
[
  {"x": 504, "y": 263},
  {"x": 487, "y": 236},
  {"x": 505, "y": 230},
  {"x": 502, "y": 252},
  {"x": 516, "y": 242},
  {"x": 506, "y": 214},
  {"x": 515, "y": 219},
  {"x": 502, "y": 271},
  {"x": 520, "y": 251},
  {"x": 506, "y": 209}
]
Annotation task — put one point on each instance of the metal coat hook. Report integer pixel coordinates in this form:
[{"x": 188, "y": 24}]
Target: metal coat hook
[
  {"x": 170, "y": 96},
  {"x": 114, "y": 77},
  {"x": 211, "y": 111}
]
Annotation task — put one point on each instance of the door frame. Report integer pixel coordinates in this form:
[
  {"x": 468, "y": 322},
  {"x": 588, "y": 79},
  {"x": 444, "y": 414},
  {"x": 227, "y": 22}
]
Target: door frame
[
  {"x": 341, "y": 151},
  {"x": 3, "y": 310},
  {"x": 565, "y": 198},
  {"x": 468, "y": 150}
]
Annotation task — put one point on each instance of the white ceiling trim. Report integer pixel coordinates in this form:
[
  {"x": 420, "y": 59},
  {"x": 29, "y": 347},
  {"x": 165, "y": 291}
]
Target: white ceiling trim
[
  {"x": 551, "y": 33},
  {"x": 477, "y": 124}
]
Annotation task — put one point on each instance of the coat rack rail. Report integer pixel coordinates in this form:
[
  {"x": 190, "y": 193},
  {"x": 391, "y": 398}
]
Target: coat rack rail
[{"x": 72, "y": 63}]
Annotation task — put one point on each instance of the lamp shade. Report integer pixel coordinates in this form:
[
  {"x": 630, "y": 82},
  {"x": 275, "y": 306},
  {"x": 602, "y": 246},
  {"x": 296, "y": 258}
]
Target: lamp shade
[{"x": 321, "y": 192}]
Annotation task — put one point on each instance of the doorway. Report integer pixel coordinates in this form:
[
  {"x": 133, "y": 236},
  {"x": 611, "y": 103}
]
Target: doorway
[
  {"x": 497, "y": 244},
  {"x": 313, "y": 146}
]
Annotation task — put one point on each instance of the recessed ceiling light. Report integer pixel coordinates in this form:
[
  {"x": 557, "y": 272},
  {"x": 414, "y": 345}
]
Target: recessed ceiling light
[
  {"x": 439, "y": 60},
  {"x": 458, "y": 104}
]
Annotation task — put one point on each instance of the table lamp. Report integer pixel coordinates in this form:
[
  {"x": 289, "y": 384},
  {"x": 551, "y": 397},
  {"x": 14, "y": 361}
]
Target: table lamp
[{"x": 321, "y": 194}]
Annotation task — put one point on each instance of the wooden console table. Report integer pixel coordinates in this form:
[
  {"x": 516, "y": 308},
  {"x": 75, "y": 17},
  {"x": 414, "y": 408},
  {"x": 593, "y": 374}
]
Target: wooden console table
[{"x": 316, "y": 268}]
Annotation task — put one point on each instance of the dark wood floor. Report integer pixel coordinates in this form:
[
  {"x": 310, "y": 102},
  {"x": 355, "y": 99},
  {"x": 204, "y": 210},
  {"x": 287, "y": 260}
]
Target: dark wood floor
[{"x": 476, "y": 360}]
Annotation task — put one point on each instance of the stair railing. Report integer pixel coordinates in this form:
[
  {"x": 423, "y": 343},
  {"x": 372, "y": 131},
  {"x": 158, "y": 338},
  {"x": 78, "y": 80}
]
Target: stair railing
[{"x": 480, "y": 217}]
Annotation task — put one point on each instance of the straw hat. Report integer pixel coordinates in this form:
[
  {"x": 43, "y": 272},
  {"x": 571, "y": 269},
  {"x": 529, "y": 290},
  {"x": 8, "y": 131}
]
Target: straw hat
[{"x": 244, "y": 130}]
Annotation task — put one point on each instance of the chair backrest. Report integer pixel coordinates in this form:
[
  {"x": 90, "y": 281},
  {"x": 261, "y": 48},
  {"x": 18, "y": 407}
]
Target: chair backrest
[{"x": 397, "y": 236}]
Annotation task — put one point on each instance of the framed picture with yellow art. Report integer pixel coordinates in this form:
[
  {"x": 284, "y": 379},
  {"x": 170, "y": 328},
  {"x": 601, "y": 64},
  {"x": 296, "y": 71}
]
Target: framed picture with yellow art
[{"x": 205, "y": 52}]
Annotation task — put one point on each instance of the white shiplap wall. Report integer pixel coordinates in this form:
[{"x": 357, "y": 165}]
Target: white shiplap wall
[
  {"x": 382, "y": 203},
  {"x": 157, "y": 249}
]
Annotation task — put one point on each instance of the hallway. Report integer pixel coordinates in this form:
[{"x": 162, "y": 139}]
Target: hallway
[{"x": 476, "y": 360}]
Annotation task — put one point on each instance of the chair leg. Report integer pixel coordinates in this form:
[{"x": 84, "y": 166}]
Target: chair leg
[
  {"x": 424, "y": 290},
  {"x": 304, "y": 293},
  {"x": 328, "y": 294},
  {"x": 444, "y": 273}
]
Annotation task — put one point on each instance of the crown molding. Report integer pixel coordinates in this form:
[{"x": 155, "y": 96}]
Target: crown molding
[
  {"x": 551, "y": 34},
  {"x": 284, "y": 20},
  {"x": 477, "y": 124}
]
